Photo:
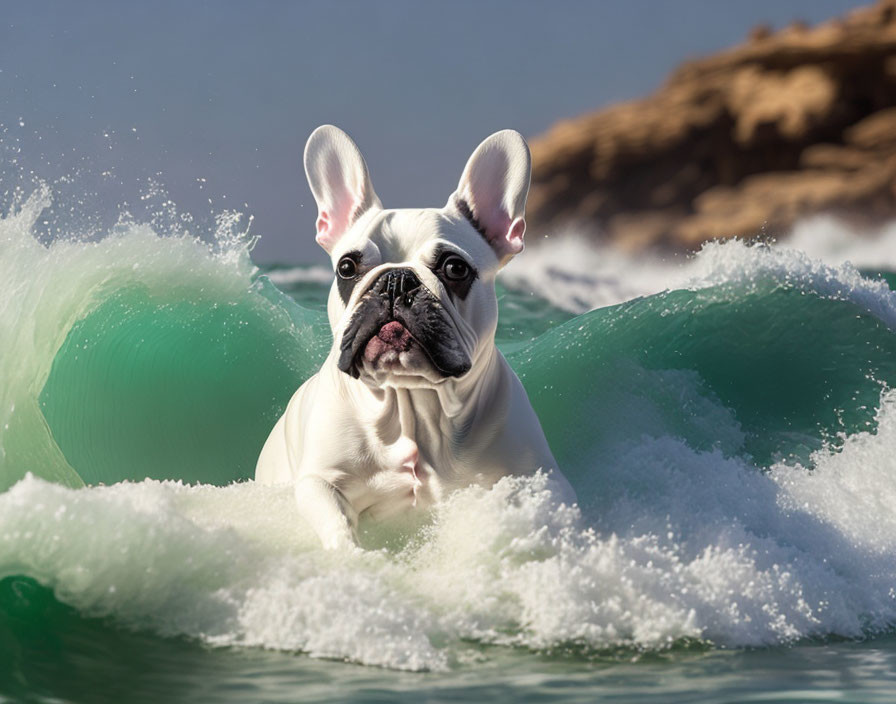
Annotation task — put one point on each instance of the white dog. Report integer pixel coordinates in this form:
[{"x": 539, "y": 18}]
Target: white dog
[{"x": 414, "y": 399}]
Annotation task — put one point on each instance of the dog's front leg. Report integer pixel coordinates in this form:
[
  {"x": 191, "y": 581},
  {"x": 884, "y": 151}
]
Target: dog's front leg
[{"x": 327, "y": 511}]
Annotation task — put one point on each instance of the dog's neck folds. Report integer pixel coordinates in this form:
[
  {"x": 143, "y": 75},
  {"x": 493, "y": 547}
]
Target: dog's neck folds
[{"x": 442, "y": 412}]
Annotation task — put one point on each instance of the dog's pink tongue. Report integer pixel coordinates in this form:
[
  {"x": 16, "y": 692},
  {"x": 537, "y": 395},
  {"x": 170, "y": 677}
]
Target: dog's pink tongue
[{"x": 392, "y": 336}]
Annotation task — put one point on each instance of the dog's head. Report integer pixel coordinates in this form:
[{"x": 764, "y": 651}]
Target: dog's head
[{"x": 413, "y": 303}]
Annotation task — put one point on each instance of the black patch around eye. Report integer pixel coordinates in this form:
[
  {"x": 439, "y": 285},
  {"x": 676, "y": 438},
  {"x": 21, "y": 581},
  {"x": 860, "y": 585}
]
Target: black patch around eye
[
  {"x": 457, "y": 287},
  {"x": 346, "y": 286}
]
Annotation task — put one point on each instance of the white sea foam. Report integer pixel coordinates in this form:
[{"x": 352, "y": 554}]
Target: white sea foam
[
  {"x": 578, "y": 274},
  {"x": 300, "y": 275},
  {"x": 714, "y": 550},
  {"x": 736, "y": 264},
  {"x": 833, "y": 241}
]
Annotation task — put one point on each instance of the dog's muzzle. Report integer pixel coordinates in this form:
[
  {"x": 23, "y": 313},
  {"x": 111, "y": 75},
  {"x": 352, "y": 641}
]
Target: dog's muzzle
[
  {"x": 398, "y": 296},
  {"x": 400, "y": 286}
]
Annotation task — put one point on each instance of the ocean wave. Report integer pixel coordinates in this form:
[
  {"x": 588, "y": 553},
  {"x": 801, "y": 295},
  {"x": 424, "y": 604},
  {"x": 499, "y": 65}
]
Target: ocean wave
[
  {"x": 712, "y": 551},
  {"x": 730, "y": 439},
  {"x": 290, "y": 276},
  {"x": 131, "y": 302},
  {"x": 579, "y": 274}
]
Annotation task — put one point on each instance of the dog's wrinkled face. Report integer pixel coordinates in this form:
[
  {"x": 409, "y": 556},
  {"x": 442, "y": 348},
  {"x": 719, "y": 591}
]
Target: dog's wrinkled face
[
  {"x": 413, "y": 302},
  {"x": 414, "y": 297}
]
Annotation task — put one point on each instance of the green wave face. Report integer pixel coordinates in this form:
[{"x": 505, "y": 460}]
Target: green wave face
[
  {"x": 770, "y": 372},
  {"x": 151, "y": 386},
  {"x": 146, "y": 386}
]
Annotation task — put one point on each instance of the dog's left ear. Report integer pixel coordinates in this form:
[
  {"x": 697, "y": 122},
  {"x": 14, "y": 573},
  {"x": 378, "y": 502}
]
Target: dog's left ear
[
  {"x": 340, "y": 183},
  {"x": 492, "y": 191}
]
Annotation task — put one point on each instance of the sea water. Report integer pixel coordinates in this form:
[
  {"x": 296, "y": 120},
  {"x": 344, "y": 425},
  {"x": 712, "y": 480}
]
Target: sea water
[{"x": 727, "y": 421}]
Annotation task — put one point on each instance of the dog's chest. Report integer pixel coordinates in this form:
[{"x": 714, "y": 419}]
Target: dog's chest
[
  {"x": 402, "y": 478},
  {"x": 411, "y": 457}
]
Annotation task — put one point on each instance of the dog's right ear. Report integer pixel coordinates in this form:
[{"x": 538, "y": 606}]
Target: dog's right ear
[
  {"x": 492, "y": 192},
  {"x": 339, "y": 181}
]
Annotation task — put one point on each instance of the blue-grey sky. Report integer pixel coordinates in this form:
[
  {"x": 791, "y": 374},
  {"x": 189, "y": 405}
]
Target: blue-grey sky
[{"x": 116, "y": 92}]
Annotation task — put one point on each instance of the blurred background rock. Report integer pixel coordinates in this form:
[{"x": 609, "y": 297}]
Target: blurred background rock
[
  {"x": 174, "y": 112},
  {"x": 743, "y": 143}
]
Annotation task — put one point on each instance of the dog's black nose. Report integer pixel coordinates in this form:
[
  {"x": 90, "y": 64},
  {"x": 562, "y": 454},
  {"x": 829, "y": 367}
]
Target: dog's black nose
[{"x": 399, "y": 285}]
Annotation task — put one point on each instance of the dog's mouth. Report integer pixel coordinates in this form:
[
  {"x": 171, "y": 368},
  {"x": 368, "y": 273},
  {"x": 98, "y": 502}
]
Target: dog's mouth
[
  {"x": 388, "y": 344},
  {"x": 393, "y": 350},
  {"x": 415, "y": 338}
]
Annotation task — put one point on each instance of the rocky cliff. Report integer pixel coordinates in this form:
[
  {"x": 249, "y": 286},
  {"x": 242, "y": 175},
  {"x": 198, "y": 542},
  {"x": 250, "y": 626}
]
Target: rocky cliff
[{"x": 742, "y": 143}]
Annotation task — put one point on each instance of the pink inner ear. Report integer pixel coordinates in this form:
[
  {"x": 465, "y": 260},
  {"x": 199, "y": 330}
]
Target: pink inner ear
[
  {"x": 333, "y": 222},
  {"x": 325, "y": 231},
  {"x": 515, "y": 236}
]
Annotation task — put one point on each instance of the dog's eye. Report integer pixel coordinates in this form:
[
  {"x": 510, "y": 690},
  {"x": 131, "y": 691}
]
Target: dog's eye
[
  {"x": 456, "y": 269},
  {"x": 347, "y": 268}
]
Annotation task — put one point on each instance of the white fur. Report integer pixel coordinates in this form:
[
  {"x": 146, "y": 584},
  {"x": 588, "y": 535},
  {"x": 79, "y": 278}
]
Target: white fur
[{"x": 401, "y": 439}]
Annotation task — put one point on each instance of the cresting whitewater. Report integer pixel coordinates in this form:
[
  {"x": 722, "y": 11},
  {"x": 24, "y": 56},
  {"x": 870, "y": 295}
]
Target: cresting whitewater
[{"x": 727, "y": 423}]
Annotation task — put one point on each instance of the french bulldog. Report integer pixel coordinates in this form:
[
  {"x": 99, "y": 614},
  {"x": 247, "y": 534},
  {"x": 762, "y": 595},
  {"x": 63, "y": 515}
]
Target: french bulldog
[{"x": 414, "y": 399}]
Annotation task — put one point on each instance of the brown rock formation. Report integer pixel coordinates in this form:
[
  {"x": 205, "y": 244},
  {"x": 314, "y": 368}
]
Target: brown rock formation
[{"x": 742, "y": 143}]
